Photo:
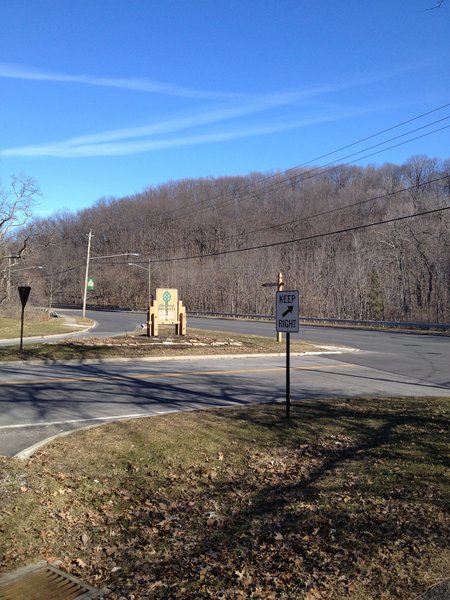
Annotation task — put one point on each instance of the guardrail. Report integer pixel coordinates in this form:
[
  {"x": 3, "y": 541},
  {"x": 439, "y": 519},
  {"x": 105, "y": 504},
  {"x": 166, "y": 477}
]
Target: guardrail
[
  {"x": 326, "y": 321},
  {"x": 305, "y": 320}
]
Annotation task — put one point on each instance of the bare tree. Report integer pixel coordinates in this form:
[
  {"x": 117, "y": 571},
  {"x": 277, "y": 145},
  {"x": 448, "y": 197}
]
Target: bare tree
[
  {"x": 197, "y": 234},
  {"x": 16, "y": 203}
]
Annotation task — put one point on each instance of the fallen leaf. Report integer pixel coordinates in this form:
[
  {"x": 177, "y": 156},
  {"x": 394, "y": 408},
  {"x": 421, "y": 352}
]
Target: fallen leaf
[
  {"x": 110, "y": 550},
  {"x": 80, "y": 563},
  {"x": 313, "y": 594}
]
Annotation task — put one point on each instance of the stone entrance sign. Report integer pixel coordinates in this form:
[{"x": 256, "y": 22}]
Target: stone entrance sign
[
  {"x": 166, "y": 309},
  {"x": 167, "y": 306}
]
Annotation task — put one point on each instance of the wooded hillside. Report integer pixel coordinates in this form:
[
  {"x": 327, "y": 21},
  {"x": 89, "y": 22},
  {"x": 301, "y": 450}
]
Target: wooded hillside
[{"x": 358, "y": 242}]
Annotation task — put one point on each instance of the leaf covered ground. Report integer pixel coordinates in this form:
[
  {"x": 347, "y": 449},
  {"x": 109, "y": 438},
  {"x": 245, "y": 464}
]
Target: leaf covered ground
[{"x": 347, "y": 499}]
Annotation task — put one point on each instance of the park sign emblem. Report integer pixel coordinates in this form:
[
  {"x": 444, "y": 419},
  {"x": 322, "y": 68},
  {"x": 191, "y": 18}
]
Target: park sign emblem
[{"x": 90, "y": 284}]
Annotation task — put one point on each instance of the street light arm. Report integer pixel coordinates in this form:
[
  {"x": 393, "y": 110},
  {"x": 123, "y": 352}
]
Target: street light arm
[
  {"x": 115, "y": 255},
  {"x": 26, "y": 269},
  {"x": 138, "y": 266}
]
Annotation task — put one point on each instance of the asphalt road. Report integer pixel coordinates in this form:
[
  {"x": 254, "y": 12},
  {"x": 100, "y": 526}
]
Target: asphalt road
[
  {"x": 422, "y": 355},
  {"x": 38, "y": 401}
]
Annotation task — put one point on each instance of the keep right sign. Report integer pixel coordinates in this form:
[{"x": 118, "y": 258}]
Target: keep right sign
[{"x": 287, "y": 311}]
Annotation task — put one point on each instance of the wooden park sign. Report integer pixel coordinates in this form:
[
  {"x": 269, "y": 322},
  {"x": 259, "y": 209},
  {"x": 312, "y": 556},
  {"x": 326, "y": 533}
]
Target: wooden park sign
[{"x": 166, "y": 309}]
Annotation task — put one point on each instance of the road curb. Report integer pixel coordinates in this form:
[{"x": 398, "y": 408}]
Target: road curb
[{"x": 100, "y": 361}]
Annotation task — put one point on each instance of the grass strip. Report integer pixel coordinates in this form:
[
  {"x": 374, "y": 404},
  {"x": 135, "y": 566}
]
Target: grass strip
[
  {"x": 10, "y": 328},
  {"x": 346, "y": 500},
  {"x": 197, "y": 342}
]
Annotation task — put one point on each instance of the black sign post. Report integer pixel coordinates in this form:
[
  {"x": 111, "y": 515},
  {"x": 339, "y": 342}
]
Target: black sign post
[
  {"x": 24, "y": 293},
  {"x": 287, "y": 314}
]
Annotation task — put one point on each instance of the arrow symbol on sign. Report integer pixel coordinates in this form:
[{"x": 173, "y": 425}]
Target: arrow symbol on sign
[{"x": 288, "y": 310}]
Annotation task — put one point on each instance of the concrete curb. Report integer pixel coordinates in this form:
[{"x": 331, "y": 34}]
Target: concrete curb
[{"x": 101, "y": 361}]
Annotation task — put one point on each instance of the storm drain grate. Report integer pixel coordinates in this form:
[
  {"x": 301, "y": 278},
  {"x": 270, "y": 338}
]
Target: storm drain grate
[{"x": 44, "y": 582}]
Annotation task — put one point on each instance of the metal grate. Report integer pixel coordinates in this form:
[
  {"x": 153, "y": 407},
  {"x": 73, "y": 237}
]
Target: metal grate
[{"x": 45, "y": 582}]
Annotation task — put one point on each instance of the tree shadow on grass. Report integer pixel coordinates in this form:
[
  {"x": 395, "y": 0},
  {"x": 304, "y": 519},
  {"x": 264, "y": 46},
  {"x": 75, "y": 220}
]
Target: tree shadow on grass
[{"x": 336, "y": 516}]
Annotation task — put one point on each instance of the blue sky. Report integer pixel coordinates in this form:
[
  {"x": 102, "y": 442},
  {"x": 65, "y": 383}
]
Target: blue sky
[{"x": 102, "y": 98}]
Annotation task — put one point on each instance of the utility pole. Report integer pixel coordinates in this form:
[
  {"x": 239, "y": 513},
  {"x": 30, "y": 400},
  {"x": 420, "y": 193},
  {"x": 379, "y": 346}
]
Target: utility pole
[
  {"x": 87, "y": 273},
  {"x": 149, "y": 300},
  {"x": 280, "y": 287}
]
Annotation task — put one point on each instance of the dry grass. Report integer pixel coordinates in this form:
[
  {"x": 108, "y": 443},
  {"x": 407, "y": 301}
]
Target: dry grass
[
  {"x": 36, "y": 323},
  {"x": 346, "y": 500},
  {"x": 197, "y": 342}
]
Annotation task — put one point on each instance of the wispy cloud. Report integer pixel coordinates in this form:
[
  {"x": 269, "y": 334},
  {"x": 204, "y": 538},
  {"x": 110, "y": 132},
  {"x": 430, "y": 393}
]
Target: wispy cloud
[
  {"x": 232, "y": 107},
  {"x": 138, "y": 84},
  {"x": 181, "y": 123},
  {"x": 70, "y": 149},
  {"x": 143, "y": 84}
]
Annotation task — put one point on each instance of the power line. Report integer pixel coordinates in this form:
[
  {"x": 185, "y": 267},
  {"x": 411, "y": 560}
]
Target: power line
[
  {"x": 369, "y": 137},
  {"x": 83, "y": 265},
  {"x": 312, "y": 173},
  {"x": 289, "y": 171},
  {"x": 274, "y": 244},
  {"x": 339, "y": 208},
  {"x": 345, "y": 147},
  {"x": 330, "y": 211},
  {"x": 302, "y": 239},
  {"x": 291, "y": 222},
  {"x": 308, "y": 175},
  {"x": 322, "y": 170}
]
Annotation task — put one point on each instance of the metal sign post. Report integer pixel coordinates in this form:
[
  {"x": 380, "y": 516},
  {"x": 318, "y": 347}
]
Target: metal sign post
[
  {"x": 287, "y": 319},
  {"x": 24, "y": 292}
]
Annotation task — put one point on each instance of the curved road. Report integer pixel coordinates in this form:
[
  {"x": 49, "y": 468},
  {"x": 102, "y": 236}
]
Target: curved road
[
  {"x": 38, "y": 401},
  {"x": 424, "y": 356}
]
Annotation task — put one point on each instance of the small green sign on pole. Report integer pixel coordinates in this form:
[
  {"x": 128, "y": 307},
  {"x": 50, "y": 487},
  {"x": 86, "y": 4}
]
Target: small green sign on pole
[{"x": 90, "y": 284}]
